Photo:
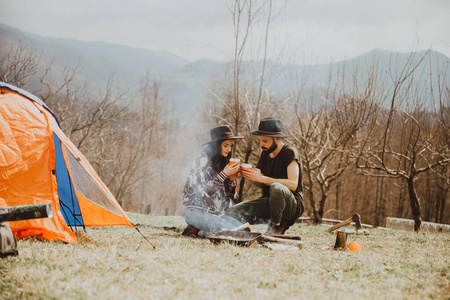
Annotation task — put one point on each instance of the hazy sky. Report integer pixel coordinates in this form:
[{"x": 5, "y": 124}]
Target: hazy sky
[{"x": 307, "y": 31}]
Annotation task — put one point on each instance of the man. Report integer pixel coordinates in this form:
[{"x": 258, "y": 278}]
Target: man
[{"x": 278, "y": 173}]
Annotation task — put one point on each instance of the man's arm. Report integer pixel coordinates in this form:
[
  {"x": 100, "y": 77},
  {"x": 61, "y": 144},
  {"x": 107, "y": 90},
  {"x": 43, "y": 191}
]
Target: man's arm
[{"x": 259, "y": 179}]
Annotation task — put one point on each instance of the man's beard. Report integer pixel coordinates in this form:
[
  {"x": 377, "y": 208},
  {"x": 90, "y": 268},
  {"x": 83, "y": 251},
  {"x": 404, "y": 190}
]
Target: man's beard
[{"x": 272, "y": 148}]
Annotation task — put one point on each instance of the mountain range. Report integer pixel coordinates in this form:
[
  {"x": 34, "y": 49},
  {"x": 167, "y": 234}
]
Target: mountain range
[{"x": 182, "y": 81}]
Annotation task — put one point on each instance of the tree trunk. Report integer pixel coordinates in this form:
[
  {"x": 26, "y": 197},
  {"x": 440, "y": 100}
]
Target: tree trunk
[
  {"x": 338, "y": 187},
  {"x": 442, "y": 206},
  {"x": 400, "y": 201},
  {"x": 383, "y": 203},
  {"x": 427, "y": 200},
  {"x": 322, "y": 206},
  {"x": 441, "y": 193},
  {"x": 309, "y": 191},
  {"x": 441, "y": 216},
  {"x": 242, "y": 182},
  {"x": 415, "y": 204},
  {"x": 377, "y": 205}
]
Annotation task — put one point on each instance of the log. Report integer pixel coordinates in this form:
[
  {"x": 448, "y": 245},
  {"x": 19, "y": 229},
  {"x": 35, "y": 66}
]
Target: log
[
  {"x": 287, "y": 236},
  {"x": 270, "y": 238},
  {"x": 341, "y": 241},
  {"x": 26, "y": 212}
]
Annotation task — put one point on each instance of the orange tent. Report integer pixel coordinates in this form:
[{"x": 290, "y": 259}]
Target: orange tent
[{"x": 39, "y": 164}]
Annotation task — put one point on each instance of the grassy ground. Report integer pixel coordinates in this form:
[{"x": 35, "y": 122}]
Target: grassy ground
[{"x": 117, "y": 263}]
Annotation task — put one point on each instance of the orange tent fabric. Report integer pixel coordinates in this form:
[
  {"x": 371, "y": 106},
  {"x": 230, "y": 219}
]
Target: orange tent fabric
[{"x": 39, "y": 164}]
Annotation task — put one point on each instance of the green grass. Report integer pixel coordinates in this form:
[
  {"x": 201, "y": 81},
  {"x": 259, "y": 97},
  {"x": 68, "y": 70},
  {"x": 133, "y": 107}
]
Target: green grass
[{"x": 117, "y": 263}]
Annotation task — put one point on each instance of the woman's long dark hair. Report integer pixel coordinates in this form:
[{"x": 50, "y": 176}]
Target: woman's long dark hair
[{"x": 218, "y": 162}]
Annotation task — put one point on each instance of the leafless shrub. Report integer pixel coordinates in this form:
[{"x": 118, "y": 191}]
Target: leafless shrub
[{"x": 17, "y": 65}]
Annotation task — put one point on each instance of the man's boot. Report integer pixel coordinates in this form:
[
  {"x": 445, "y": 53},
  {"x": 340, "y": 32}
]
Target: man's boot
[{"x": 275, "y": 229}]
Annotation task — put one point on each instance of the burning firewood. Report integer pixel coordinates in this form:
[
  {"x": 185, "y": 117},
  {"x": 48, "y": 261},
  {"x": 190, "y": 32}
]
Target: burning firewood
[
  {"x": 246, "y": 238},
  {"x": 243, "y": 227}
]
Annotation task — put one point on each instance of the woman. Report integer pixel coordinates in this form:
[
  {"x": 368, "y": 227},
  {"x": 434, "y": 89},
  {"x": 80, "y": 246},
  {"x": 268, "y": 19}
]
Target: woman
[{"x": 210, "y": 187}]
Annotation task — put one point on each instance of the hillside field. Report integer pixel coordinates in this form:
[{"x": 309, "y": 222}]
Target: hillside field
[{"x": 117, "y": 263}]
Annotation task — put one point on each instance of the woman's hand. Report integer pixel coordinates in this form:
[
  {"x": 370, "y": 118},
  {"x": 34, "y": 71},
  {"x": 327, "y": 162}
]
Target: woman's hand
[
  {"x": 234, "y": 176},
  {"x": 232, "y": 171}
]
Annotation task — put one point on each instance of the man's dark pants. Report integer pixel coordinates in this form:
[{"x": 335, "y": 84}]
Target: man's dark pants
[{"x": 281, "y": 205}]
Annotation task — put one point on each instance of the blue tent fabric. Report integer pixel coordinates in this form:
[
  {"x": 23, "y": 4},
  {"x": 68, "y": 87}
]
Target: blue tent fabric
[
  {"x": 67, "y": 197},
  {"x": 28, "y": 95}
]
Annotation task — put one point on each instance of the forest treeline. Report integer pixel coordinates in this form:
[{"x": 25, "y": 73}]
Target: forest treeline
[{"x": 376, "y": 143}]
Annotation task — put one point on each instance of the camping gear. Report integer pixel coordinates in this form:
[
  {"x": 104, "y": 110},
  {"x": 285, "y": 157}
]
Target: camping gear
[
  {"x": 26, "y": 212},
  {"x": 39, "y": 164},
  {"x": 355, "y": 218},
  {"x": 355, "y": 246},
  {"x": 8, "y": 243}
]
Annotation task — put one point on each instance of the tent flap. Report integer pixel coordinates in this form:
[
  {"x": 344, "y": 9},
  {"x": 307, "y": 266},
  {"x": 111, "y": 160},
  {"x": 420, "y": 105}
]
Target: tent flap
[{"x": 67, "y": 196}]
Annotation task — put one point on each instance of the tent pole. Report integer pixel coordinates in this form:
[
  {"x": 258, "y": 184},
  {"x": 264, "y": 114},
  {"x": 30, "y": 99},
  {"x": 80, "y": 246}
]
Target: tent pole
[{"x": 154, "y": 248}]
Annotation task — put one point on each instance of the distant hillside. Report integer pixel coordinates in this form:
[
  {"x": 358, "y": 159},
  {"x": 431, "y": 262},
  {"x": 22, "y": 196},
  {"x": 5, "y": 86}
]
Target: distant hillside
[{"x": 98, "y": 60}]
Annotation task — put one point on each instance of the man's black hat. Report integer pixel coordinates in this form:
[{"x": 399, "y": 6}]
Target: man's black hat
[
  {"x": 269, "y": 127},
  {"x": 222, "y": 133}
]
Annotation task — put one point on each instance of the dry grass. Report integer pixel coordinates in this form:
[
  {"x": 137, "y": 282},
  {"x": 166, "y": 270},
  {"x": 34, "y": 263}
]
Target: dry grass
[{"x": 117, "y": 263}]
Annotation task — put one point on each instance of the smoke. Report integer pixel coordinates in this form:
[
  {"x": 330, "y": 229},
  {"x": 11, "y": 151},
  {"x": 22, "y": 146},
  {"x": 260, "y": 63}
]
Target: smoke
[{"x": 162, "y": 195}]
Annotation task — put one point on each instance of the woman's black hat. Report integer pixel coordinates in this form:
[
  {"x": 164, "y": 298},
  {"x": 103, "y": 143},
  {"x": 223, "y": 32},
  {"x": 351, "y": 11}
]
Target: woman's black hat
[{"x": 222, "y": 133}]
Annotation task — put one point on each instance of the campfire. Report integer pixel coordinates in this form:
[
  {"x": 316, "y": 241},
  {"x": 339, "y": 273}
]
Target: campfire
[{"x": 254, "y": 239}]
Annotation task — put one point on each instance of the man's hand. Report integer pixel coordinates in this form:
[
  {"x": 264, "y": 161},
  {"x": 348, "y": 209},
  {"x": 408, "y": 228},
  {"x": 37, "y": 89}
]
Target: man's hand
[
  {"x": 254, "y": 175},
  {"x": 232, "y": 171}
]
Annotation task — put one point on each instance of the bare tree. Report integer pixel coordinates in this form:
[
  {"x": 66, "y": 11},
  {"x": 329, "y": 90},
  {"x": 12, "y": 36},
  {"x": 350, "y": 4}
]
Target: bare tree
[
  {"x": 324, "y": 134},
  {"x": 139, "y": 137},
  {"x": 241, "y": 103},
  {"x": 407, "y": 143}
]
